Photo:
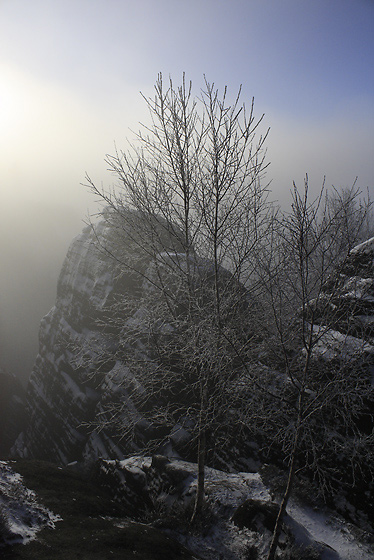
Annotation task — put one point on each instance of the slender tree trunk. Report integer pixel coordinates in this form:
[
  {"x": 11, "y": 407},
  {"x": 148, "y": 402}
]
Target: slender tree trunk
[
  {"x": 200, "y": 491},
  {"x": 282, "y": 511},
  {"x": 201, "y": 453},
  {"x": 287, "y": 492}
]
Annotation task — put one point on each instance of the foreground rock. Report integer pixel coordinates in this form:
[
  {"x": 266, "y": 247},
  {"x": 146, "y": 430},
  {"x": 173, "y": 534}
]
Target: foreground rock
[
  {"x": 139, "y": 509},
  {"x": 88, "y": 525},
  {"x": 21, "y": 515}
]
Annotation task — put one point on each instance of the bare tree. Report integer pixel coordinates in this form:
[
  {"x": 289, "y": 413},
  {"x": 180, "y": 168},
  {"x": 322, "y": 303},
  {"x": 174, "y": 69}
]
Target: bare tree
[
  {"x": 210, "y": 258},
  {"x": 324, "y": 382},
  {"x": 355, "y": 223},
  {"x": 191, "y": 211}
]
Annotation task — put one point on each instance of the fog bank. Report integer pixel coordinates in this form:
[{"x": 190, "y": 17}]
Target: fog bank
[{"x": 34, "y": 241}]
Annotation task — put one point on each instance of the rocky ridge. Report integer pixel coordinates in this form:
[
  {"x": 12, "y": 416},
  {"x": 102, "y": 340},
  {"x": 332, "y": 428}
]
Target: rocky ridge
[
  {"x": 66, "y": 396},
  {"x": 71, "y": 383},
  {"x": 62, "y": 397},
  {"x": 77, "y": 372}
]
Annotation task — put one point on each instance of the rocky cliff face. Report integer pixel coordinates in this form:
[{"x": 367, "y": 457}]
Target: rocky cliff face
[
  {"x": 62, "y": 397},
  {"x": 78, "y": 370},
  {"x": 71, "y": 383},
  {"x": 350, "y": 308}
]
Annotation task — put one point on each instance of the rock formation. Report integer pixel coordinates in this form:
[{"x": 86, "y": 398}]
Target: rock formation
[
  {"x": 71, "y": 383},
  {"x": 62, "y": 397}
]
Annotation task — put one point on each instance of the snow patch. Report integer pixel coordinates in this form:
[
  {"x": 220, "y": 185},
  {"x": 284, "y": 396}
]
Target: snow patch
[
  {"x": 329, "y": 530},
  {"x": 21, "y": 516},
  {"x": 332, "y": 344},
  {"x": 366, "y": 247}
]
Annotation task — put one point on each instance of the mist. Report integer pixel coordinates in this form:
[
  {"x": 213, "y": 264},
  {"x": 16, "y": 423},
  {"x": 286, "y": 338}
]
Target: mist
[
  {"x": 35, "y": 238},
  {"x": 71, "y": 74},
  {"x": 45, "y": 206}
]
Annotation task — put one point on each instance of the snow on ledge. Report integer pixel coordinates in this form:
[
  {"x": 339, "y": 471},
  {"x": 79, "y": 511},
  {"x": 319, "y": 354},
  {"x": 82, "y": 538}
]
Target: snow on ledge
[
  {"x": 365, "y": 247},
  {"x": 21, "y": 516}
]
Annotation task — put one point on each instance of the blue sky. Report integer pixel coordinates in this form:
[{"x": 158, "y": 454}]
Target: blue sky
[{"x": 70, "y": 76}]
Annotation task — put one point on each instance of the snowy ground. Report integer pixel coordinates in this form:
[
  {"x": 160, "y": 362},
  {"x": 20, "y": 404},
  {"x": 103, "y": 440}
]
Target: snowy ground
[
  {"x": 309, "y": 527},
  {"x": 21, "y": 516},
  {"x": 331, "y": 530},
  {"x": 331, "y": 535},
  {"x": 218, "y": 538}
]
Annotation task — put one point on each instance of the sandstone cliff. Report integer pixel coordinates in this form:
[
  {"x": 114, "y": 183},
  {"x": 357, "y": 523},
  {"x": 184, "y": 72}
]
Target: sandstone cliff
[
  {"x": 71, "y": 382},
  {"x": 62, "y": 398}
]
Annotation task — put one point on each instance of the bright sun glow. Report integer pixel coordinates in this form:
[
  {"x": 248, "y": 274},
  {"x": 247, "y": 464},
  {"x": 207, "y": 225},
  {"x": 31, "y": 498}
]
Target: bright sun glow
[
  {"x": 8, "y": 106},
  {"x": 13, "y": 104}
]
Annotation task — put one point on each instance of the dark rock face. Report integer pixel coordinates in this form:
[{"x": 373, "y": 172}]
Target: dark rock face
[
  {"x": 77, "y": 372},
  {"x": 62, "y": 396},
  {"x": 349, "y": 311},
  {"x": 256, "y": 515},
  {"x": 361, "y": 260},
  {"x": 71, "y": 382},
  {"x": 12, "y": 410},
  {"x": 350, "y": 293}
]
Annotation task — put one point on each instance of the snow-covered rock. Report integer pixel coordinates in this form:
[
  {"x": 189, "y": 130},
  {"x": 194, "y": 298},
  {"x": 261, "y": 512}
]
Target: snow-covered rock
[
  {"x": 349, "y": 295},
  {"x": 21, "y": 515},
  {"x": 239, "y": 514}
]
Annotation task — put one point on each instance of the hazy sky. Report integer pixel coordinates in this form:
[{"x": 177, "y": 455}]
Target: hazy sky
[{"x": 70, "y": 76}]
